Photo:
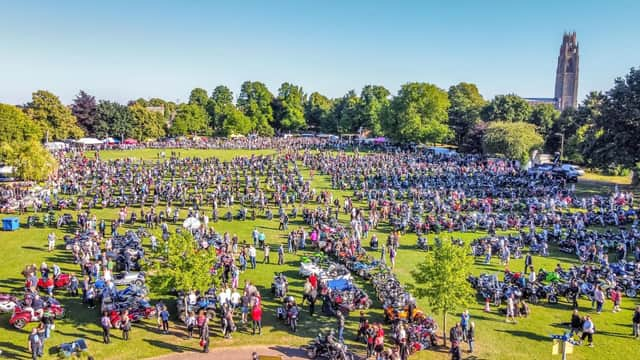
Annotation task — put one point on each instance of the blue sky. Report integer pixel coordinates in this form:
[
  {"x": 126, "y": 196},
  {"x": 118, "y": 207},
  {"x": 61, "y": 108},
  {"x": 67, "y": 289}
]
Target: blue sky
[{"x": 121, "y": 50}]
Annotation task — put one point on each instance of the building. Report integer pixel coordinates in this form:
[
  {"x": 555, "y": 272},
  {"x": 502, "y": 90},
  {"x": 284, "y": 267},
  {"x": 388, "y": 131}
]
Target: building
[
  {"x": 566, "y": 91},
  {"x": 567, "y": 73}
]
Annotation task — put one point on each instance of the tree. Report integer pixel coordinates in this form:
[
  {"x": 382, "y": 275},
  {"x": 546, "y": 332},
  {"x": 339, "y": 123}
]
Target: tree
[
  {"x": 199, "y": 97},
  {"x": 30, "y": 160},
  {"x": 52, "y": 116},
  {"x": 472, "y": 141},
  {"x": 234, "y": 122},
  {"x": 288, "y": 108},
  {"x": 255, "y": 101},
  {"x": 184, "y": 266},
  {"x": 345, "y": 113},
  {"x": 374, "y": 101},
  {"x": 146, "y": 124},
  {"x": 441, "y": 279},
  {"x": 317, "y": 111},
  {"x": 16, "y": 126},
  {"x": 113, "y": 119},
  {"x": 419, "y": 114},
  {"x": 515, "y": 140},
  {"x": 510, "y": 108},
  {"x": 543, "y": 116},
  {"x": 84, "y": 109},
  {"x": 221, "y": 98},
  {"x": 464, "y": 112},
  {"x": 190, "y": 119}
]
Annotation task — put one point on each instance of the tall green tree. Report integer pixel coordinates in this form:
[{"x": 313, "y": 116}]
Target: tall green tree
[
  {"x": 52, "y": 116},
  {"x": 30, "y": 160},
  {"x": 84, "y": 109},
  {"x": 190, "y": 119},
  {"x": 198, "y": 97},
  {"x": 183, "y": 266},
  {"x": 617, "y": 130},
  {"x": 419, "y": 114},
  {"x": 510, "y": 108},
  {"x": 221, "y": 98},
  {"x": 345, "y": 113},
  {"x": 16, "y": 126},
  {"x": 146, "y": 124},
  {"x": 288, "y": 108},
  {"x": 515, "y": 140},
  {"x": 113, "y": 119},
  {"x": 255, "y": 101},
  {"x": 464, "y": 112},
  {"x": 543, "y": 116},
  {"x": 234, "y": 122},
  {"x": 374, "y": 101},
  {"x": 441, "y": 279},
  {"x": 317, "y": 111}
]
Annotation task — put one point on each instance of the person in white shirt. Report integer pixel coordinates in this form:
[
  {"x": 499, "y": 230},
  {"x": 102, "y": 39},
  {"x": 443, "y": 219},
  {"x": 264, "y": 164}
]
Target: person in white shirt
[
  {"x": 532, "y": 275},
  {"x": 192, "y": 298},
  {"x": 235, "y": 299},
  {"x": 52, "y": 241}
]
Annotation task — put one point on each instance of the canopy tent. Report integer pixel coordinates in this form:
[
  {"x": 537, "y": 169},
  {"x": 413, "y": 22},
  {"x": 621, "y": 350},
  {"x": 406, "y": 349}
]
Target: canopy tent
[
  {"x": 130, "y": 141},
  {"x": 111, "y": 140},
  {"x": 55, "y": 145},
  {"x": 89, "y": 141}
]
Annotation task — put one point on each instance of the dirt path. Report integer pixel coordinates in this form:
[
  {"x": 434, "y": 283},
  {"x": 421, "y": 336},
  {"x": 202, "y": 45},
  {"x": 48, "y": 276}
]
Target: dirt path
[{"x": 240, "y": 353}]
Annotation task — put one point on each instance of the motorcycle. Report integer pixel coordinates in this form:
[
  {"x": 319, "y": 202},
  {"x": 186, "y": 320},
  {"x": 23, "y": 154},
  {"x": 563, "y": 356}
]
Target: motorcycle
[
  {"x": 7, "y": 303},
  {"x": 324, "y": 347},
  {"x": 22, "y": 316},
  {"x": 59, "y": 282}
]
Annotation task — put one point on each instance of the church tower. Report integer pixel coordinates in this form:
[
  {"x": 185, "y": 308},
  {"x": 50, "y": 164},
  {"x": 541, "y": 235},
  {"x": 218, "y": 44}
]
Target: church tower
[{"x": 566, "y": 93}]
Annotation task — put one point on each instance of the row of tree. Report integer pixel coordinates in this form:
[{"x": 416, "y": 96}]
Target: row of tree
[{"x": 601, "y": 132}]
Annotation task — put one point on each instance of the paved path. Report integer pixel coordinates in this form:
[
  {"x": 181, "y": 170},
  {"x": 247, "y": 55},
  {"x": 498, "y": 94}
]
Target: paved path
[{"x": 240, "y": 353}]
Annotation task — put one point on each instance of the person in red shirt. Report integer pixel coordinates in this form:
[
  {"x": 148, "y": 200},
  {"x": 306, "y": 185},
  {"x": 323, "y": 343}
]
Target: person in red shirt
[
  {"x": 256, "y": 316},
  {"x": 313, "y": 279}
]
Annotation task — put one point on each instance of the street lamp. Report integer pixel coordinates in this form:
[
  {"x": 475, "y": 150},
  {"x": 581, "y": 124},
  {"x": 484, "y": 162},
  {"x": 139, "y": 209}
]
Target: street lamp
[{"x": 561, "y": 144}]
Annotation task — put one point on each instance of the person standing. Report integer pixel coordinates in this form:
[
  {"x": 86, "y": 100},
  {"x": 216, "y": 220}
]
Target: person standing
[
  {"x": 598, "y": 297},
  {"x": 204, "y": 336},
  {"x": 340, "y": 316},
  {"x": 35, "y": 344},
  {"x": 528, "y": 262},
  {"x": 252, "y": 256},
  {"x": 576, "y": 323},
  {"x": 266, "y": 254},
  {"x": 588, "y": 329},
  {"x": 105, "y": 322},
  {"x": 392, "y": 256},
  {"x": 281, "y": 255},
  {"x": 51, "y": 239},
  {"x": 471, "y": 333},
  {"x": 636, "y": 322},
  {"x": 464, "y": 323},
  {"x": 511, "y": 309},
  {"x": 164, "y": 315},
  {"x": 256, "y": 317},
  {"x": 616, "y": 295},
  {"x": 125, "y": 324}
]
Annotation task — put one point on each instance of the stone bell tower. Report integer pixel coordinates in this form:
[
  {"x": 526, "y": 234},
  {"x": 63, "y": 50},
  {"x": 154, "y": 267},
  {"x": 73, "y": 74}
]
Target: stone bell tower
[{"x": 566, "y": 93}]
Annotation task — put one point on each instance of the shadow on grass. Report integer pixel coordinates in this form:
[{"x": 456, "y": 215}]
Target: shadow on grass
[
  {"x": 168, "y": 346},
  {"x": 12, "y": 351},
  {"x": 526, "y": 334}
]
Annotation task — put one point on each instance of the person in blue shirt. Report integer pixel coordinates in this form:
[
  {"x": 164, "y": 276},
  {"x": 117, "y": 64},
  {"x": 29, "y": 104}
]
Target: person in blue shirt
[{"x": 164, "y": 315}]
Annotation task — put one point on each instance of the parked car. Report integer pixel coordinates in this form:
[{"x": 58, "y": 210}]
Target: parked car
[
  {"x": 540, "y": 169},
  {"x": 574, "y": 168},
  {"x": 127, "y": 278},
  {"x": 568, "y": 175}
]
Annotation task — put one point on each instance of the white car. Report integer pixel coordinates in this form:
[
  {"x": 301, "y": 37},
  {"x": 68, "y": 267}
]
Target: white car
[{"x": 574, "y": 168}]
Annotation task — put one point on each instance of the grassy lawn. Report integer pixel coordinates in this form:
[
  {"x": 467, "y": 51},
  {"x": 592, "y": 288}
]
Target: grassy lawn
[{"x": 495, "y": 339}]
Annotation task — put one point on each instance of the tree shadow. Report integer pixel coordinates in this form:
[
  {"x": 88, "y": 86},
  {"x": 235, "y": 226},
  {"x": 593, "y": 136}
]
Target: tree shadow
[
  {"x": 168, "y": 346},
  {"x": 526, "y": 334},
  {"x": 15, "y": 352}
]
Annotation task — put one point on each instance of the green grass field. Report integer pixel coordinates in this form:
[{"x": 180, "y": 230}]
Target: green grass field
[{"x": 495, "y": 339}]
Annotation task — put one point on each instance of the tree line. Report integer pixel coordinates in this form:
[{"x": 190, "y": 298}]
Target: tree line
[{"x": 601, "y": 132}]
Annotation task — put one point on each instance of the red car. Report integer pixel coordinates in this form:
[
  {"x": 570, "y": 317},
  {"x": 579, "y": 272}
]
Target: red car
[
  {"x": 22, "y": 315},
  {"x": 59, "y": 282}
]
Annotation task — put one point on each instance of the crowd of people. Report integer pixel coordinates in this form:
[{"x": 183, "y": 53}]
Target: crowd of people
[{"x": 411, "y": 190}]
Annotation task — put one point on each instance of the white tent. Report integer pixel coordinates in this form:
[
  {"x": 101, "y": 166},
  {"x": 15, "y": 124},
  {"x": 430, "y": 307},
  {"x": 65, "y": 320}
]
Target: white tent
[
  {"x": 55, "y": 145},
  {"x": 89, "y": 141}
]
